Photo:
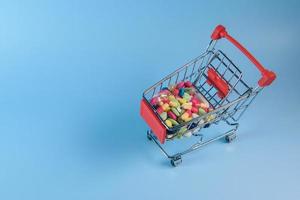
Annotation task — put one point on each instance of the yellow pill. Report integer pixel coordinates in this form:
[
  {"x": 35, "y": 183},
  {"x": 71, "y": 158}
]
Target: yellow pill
[
  {"x": 171, "y": 97},
  {"x": 185, "y": 116},
  {"x": 179, "y": 109},
  {"x": 181, "y": 100},
  {"x": 188, "y": 119},
  {"x": 187, "y": 106},
  {"x": 174, "y": 103},
  {"x": 165, "y": 107},
  {"x": 169, "y": 123},
  {"x": 174, "y": 122}
]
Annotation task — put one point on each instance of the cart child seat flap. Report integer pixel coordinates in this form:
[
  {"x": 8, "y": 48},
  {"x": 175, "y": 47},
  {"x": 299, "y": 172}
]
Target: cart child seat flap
[{"x": 153, "y": 122}]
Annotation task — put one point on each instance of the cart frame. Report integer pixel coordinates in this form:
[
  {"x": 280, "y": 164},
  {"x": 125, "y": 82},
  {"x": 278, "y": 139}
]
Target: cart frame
[{"x": 220, "y": 82}]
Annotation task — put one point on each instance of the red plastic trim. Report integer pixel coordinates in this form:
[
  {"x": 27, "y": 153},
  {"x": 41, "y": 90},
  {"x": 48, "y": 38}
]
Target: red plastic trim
[
  {"x": 218, "y": 82},
  {"x": 153, "y": 121},
  {"x": 267, "y": 76}
]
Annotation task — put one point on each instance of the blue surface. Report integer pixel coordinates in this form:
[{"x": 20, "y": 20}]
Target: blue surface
[{"x": 72, "y": 74}]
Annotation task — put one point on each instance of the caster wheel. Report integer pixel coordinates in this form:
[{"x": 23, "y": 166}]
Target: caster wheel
[
  {"x": 149, "y": 135},
  {"x": 176, "y": 161},
  {"x": 230, "y": 138}
]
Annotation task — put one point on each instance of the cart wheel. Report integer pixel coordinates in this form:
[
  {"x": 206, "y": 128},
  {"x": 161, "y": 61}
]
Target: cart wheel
[
  {"x": 176, "y": 161},
  {"x": 230, "y": 138},
  {"x": 149, "y": 135}
]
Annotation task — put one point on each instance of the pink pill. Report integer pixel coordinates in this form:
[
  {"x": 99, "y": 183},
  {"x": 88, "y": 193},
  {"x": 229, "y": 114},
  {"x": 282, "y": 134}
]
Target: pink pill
[
  {"x": 194, "y": 109},
  {"x": 195, "y": 101},
  {"x": 188, "y": 84},
  {"x": 172, "y": 115},
  {"x": 189, "y": 112},
  {"x": 180, "y": 85},
  {"x": 159, "y": 110},
  {"x": 164, "y": 92},
  {"x": 165, "y": 100},
  {"x": 175, "y": 92},
  {"x": 154, "y": 101},
  {"x": 203, "y": 105}
]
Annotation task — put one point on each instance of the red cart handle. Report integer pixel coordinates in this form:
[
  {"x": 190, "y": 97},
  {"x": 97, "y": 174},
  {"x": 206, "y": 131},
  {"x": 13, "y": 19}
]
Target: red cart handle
[{"x": 267, "y": 76}]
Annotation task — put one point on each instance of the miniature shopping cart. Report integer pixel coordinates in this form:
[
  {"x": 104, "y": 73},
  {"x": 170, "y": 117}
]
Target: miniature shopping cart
[{"x": 219, "y": 81}]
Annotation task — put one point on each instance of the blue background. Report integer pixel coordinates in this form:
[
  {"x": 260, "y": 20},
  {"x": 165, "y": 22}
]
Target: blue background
[{"x": 71, "y": 77}]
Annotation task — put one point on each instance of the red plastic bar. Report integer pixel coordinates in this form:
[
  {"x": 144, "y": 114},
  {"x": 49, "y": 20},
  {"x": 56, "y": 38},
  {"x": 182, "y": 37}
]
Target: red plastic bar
[
  {"x": 267, "y": 76},
  {"x": 218, "y": 82},
  {"x": 153, "y": 122}
]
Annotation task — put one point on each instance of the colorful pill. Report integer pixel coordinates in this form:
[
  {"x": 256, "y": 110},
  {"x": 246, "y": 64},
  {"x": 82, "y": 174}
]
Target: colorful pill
[
  {"x": 181, "y": 100},
  {"x": 175, "y": 111},
  {"x": 172, "y": 115},
  {"x": 174, "y": 103},
  {"x": 201, "y": 111},
  {"x": 180, "y": 85},
  {"x": 186, "y": 96},
  {"x": 189, "y": 112},
  {"x": 179, "y": 110},
  {"x": 188, "y": 119},
  {"x": 192, "y": 92},
  {"x": 183, "y": 130},
  {"x": 159, "y": 110},
  {"x": 174, "y": 122},
  {"x": 168, "y": 123},
  {"x": 165, "y": 100},
  {"x": 154, "y": 101},
  {"x": 176, "y": 92},
  {"x": 194, "y": 109},
  {"x": 187, "y": 106},
  {"x": 166, "y": 107},
  {"x": 163, "y": 115},
  {"x": 195, "y": 100},
  {"x": 164, "y": 92},
  {"x": 180, "y": 120},
  {"x": 188, "y": 84},
  {"x": 203, "y": 105},
  {"x": 188, "y": 90},
  {"x": 171, "y": 97},
  {"x": 181, "y": 92},
  {"x": 184, "y": 116}
]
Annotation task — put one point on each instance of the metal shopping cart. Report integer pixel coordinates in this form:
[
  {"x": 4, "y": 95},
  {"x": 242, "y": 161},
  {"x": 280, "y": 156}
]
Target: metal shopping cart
[{"x": 219, "y": 82}]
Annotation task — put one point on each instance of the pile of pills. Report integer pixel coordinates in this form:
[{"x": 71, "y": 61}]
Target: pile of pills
[{"x": 178, "y": 104}]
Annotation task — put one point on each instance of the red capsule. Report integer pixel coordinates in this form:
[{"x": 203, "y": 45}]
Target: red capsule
[
  {"x": 165, "y": 92},
  {"x": 165, "y": 100},
  {"x": 195, "y": 100},
  {"x": 159, "y": 110},
  {"x": 188, "y": 84},
  {"x": 194, "y": 109},
  {"x": 189, "y": 112},
  {"x": 154, "y": 101},
  {"x": 172, "y": 115},
  {"x": 175, "y": 92},
  {"x": 180, "y": 85}
]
